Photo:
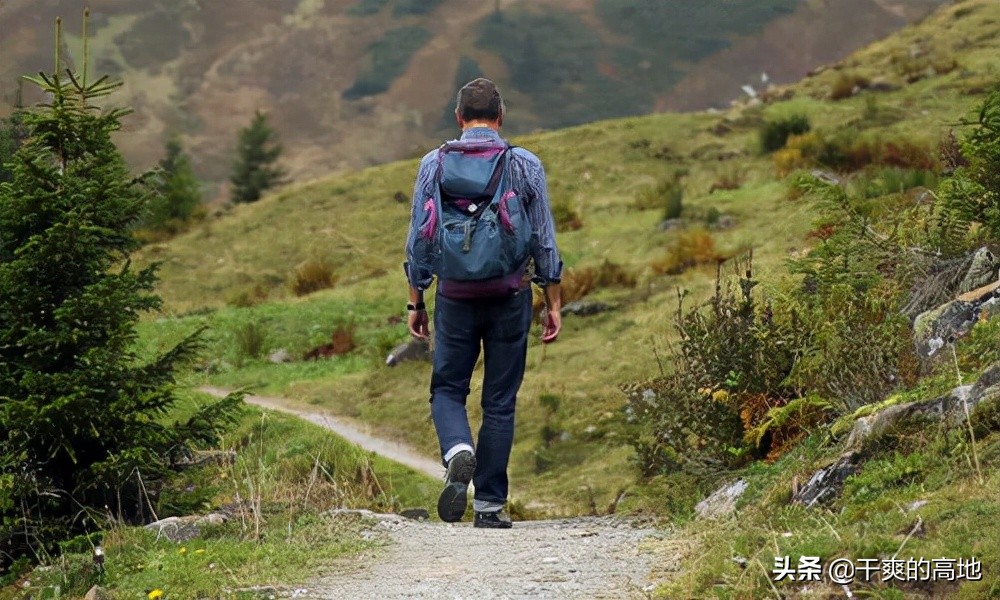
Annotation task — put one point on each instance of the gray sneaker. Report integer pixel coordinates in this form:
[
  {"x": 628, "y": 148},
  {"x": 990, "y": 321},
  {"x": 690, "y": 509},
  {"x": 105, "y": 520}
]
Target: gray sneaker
[{"x": 454, "y": 498}]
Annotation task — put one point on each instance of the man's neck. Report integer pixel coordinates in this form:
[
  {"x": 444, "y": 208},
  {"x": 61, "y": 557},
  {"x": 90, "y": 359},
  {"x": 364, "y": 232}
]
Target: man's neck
[{"x": 488, "y": 124}]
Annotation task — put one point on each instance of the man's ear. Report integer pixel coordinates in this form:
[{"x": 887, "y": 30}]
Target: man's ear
[{"x": 458, "y": 119}]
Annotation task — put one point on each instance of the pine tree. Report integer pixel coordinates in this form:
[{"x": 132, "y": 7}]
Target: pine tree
[
  {"x": 83, "y": 427},
  {"x": 11, "y": 137},
  {"x": 256, "y": 154},
  {"x": 179, "y": 192}
]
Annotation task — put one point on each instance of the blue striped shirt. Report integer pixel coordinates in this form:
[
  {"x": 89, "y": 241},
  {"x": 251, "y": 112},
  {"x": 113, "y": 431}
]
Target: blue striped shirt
[{"x": 529, "y": 179}]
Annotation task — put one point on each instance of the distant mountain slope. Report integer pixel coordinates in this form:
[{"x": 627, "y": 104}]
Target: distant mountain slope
[{"x": 351, "y": 83}]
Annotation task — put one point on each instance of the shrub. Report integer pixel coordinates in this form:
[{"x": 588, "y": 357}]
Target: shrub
[
  {"x": 729, "y": 371},
  {"x": 251, "y": 340},
  {"x": 787, "y": 160},
  {"x": 848, "y": 151},
  {"x": 610, "y": 274},
  {"x": 774, "y": 134},
  {"x": 846, "y": 85},
  {"x": 576, "y": 283},
  {"x": 667, "y": 195},
  {"x": 312, "y": 276},
  {"x": 690, "y": 248},
  {"x": 566, "y": 219},
  {"x": 248, "y": 297},
  {"x": 731, "y": 177},
  {"x": 672, "y": 426}
]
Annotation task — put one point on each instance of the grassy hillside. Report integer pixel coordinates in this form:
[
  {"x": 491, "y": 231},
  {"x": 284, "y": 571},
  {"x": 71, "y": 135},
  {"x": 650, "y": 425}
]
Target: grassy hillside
[
  {"x": 930, "y": 74},
  {"x": 350, "y": 83}
]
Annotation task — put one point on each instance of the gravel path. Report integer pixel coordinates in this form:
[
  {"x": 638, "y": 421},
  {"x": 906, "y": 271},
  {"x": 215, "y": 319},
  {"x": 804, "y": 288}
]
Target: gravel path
[
  {"x": 598, "y": 557},
  {"x": 571, "y": 558},
  {"x": 350, "y": 431}
]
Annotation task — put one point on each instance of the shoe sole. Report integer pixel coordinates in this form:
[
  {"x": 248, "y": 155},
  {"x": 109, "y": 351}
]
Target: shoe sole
[
  {"x": 453, "y": 502},
  {"x": 454, "y": 498}
]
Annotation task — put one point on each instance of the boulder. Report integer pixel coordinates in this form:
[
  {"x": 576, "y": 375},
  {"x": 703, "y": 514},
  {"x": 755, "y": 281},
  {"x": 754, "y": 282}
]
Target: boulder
[
  {"x": 942, "y": 325},
  {"x": 182, "y": 529},
  {"x": 826, "y": 484},
  {"x": 97, "y": 593},
  {"x": 585, "y": 308},
  {"x": 414, "y": 349},
  {"x": 722, "y": 502},
  {"x": 279, "y": 356},
  {"x": 982, "y": 271}
]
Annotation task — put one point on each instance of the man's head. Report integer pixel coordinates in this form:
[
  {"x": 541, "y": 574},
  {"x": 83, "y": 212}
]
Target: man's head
[{"x": 479, "y": 102}]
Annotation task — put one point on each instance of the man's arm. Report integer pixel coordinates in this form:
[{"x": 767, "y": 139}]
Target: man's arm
[
  {"x": 417, "y": 319},
  {"x": 418, "y": 276},
  {"x": 552, "y": 320},
  {"x": 544, "y": 251}
]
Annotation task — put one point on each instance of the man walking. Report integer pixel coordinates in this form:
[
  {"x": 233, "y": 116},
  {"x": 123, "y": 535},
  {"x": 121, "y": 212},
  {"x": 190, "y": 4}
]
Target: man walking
[{"x": 480, "y": 212}]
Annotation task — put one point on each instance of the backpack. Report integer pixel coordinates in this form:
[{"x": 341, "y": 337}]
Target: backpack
[{"x": 474, "y": 224}]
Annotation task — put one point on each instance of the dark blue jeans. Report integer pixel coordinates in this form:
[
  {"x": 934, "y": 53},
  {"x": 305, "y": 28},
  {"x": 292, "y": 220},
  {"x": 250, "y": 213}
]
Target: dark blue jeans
[{"x": 500, "y": 326}]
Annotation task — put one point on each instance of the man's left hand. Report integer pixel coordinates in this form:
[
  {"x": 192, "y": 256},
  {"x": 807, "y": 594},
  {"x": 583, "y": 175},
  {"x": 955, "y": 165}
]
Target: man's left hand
[{"x": 419, "y": 324}]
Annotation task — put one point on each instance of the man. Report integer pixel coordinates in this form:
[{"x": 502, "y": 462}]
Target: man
[{"x": 492, "y": 314}]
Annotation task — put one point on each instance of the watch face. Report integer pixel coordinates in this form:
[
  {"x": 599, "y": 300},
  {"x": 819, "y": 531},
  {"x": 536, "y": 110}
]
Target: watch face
[{"x": 472, "y": 208}]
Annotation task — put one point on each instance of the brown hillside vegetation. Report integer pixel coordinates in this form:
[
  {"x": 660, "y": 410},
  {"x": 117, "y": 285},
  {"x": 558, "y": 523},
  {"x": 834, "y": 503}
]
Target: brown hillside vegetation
[{"x": 203, "y": 68}]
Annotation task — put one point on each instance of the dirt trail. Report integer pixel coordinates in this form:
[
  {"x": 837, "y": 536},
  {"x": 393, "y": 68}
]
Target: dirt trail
[
  {"x": 587, "y": 557},
  {"x": 572, "y": 558},
  {"x": 351, "y": 432}
]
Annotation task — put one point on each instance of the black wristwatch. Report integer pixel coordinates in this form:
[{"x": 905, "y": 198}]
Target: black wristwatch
[{"x": 417, "y": 306}]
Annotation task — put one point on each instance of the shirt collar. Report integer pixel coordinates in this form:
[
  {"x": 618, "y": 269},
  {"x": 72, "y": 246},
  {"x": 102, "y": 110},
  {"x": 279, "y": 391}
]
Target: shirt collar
[{"x": 476, "y": 133}]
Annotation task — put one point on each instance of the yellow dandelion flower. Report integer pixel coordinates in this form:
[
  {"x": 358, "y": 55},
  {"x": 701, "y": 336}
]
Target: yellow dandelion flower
[
  {"x": 182, "y": 551},
  {"x": 155, "y": 594},
  {"x": 199, "y": 551}
]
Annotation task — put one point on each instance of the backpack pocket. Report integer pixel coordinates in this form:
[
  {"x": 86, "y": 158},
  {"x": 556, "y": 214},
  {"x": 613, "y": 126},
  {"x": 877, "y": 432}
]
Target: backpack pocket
[{"x": 472, "y": 248}]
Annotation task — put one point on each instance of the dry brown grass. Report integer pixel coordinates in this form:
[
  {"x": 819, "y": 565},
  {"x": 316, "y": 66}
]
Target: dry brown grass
[
  {"x": 690, "y": 248},
  {"x": 312, "y": 276}
]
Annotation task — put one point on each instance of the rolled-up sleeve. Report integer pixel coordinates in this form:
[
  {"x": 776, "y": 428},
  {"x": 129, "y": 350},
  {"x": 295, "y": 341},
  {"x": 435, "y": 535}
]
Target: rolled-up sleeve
[
  {"x": 544, "y": 251},
  {"x": 418, "y": 274}
]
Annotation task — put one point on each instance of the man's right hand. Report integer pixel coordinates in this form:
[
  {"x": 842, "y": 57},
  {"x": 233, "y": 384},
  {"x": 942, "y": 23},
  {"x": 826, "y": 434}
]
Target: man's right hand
[
  {"x": 419, "y": 324},
  {"x": 551, "y": 324}
]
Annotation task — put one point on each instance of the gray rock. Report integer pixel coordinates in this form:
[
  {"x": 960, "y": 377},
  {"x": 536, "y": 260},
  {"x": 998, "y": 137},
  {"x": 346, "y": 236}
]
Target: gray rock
[
  {"x": 97, "y": 593},
  {"x": 722, "y": 502},
  {"x": 671, "y": 224},
  {"x": 826, "y": 484},
  {"x": 414, "y": 349},
  {"x": 949, "y": 407},
  {"x": 417, "y": 514},
  {"x": 880, "y": 84},
  {"x": 182, "y": 529},
  {"x": 585, "y": 308},
  {"x": 942, "y": 325},
  {"x": 280, "y": 356},
  {"x": 982, "y": 271}
]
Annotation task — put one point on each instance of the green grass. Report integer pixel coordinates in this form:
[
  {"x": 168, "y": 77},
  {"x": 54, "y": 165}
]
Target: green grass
[
  {"x": 872, "y": 519},
  {"x": 295, "y": 471},
  {"x": 353, "y": 223}
]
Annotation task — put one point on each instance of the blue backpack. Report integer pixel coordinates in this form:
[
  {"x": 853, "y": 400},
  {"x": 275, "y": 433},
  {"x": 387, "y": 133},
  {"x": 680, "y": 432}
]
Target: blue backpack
[{"x": 474, "y": 225}]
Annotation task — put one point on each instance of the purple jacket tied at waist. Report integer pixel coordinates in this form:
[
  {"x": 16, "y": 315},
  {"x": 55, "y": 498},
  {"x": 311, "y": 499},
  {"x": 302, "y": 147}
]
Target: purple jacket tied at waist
[{"x": 528, "y": 178}]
